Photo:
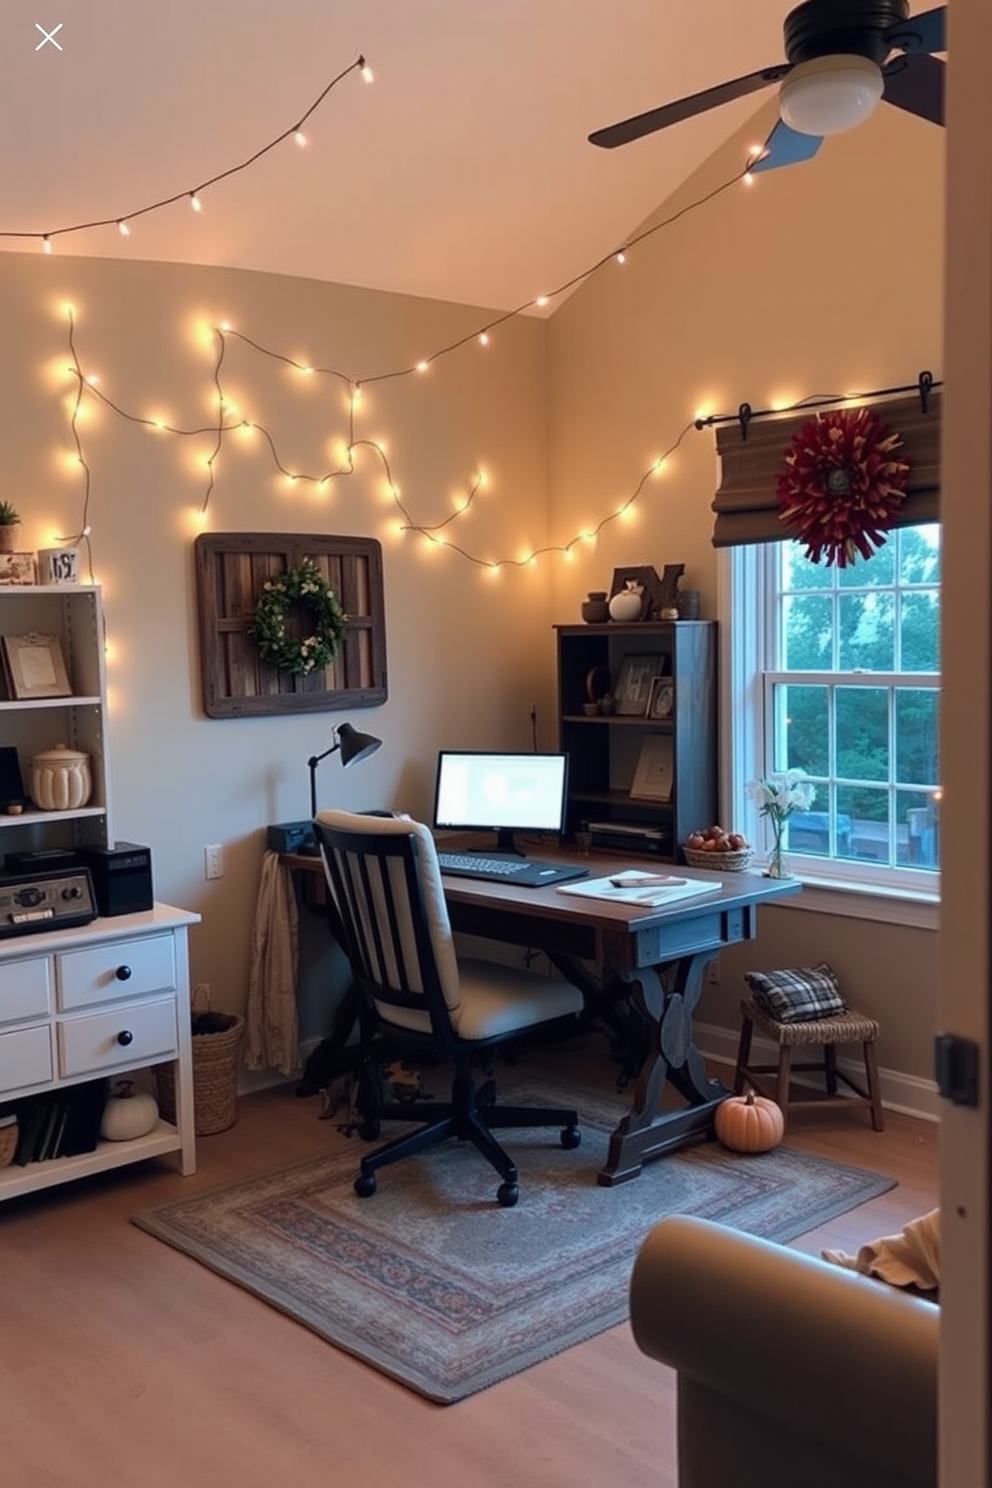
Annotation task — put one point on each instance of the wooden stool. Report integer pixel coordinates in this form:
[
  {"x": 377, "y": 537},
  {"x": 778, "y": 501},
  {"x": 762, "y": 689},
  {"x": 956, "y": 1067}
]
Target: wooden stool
[{"x": 825, "y": 1033}]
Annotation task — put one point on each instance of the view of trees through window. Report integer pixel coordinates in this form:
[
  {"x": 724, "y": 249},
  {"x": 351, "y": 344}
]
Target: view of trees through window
[{"x": 855, "y": 698}]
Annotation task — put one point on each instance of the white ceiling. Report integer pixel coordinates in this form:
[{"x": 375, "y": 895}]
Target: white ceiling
[{"x": 463, "y": 172}]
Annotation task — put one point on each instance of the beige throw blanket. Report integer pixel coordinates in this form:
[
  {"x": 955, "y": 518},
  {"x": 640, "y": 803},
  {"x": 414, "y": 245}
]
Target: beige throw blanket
[
  {"x": 272, "y": 1036},
  {"x": 909, "y": 1259}
]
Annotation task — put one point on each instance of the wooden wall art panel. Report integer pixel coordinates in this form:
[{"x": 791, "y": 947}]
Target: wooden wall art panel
[{"x": 231, "y": 568}]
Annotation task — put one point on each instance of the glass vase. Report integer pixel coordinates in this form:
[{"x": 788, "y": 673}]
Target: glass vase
[{"x": 776, "y": 867}]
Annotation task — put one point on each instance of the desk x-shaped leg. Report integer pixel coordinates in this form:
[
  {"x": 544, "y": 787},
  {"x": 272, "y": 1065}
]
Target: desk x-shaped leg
[{"x": 666, "y": 997}]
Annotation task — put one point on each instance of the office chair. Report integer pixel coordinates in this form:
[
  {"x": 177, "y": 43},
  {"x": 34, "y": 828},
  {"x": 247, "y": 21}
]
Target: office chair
[{"x": 384, "y": 877}]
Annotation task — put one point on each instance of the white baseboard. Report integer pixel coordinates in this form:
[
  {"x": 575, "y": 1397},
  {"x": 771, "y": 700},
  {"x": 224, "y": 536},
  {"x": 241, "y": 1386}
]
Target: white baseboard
[{"x": 900, "y": 1092}]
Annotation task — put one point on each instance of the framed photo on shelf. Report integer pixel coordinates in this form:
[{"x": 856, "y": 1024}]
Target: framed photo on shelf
[
  {"x": 34, "y": 666},
  {"x": 661, "y": 701},
  {"x": 633, "y": 687},
  {"x": 655, "y": 771}
]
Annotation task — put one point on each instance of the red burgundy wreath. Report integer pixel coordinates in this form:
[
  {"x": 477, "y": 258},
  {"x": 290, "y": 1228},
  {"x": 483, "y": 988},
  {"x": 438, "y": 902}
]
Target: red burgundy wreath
[{"x": 842, "y": 485}]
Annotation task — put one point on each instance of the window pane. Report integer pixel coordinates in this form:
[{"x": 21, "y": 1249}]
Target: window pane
[
  {"x": 867, "y": 632},
  {"x": 917, "y": 751},
  {"x": 867, "y": 815},
  {"x": 862, "y": 733},
  {"x": 919, "y": 632},
  {"x": 799, "y": 573},
  {"x": 880, "y": 568},
  {"x": 919, "y": 555},
  {"x": 804, "y": 734},
  {"x": 917, "y": 830},
  {"x": 807, "y": 623}
]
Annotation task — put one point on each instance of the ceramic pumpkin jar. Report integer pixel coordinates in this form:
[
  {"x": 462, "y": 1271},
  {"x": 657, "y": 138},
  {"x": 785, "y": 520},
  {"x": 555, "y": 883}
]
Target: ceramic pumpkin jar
[
  {"x": 61, "y": 779},
  {"x": 749, "y": 1123},
  {"x": 128, "y": 1113}
]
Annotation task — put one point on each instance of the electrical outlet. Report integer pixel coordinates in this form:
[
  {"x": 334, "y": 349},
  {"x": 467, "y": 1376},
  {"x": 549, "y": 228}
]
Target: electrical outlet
[
  {"x": 213, "y": 861},
  {"x": 713, "y": 972}
]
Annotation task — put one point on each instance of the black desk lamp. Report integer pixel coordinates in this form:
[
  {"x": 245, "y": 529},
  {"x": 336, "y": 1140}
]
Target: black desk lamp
[{"x": 352, "y": 746}]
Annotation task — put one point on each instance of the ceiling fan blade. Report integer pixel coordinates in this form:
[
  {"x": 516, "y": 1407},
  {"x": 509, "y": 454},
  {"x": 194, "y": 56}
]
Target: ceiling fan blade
[
  {"x": 916, "y": 84},
  {"x": 785, "y": 146},
  {"x": 685, "y": 108},
  {"x": 920, "y": 33}
]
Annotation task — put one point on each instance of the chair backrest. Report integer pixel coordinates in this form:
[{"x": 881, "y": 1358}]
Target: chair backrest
[{"x": 383, "y": 875}]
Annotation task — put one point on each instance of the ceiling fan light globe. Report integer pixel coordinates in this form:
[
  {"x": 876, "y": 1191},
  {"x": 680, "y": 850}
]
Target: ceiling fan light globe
[{"x": 830, "y": 94}]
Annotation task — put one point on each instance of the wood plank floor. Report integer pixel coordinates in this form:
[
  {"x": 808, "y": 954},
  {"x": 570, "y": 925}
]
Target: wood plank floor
[{"x": 123, "y": 1362}]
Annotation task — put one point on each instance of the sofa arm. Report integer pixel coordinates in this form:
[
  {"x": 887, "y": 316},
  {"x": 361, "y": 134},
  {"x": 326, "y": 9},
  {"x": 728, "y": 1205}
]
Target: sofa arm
[{"x": 786, "y": 1351}]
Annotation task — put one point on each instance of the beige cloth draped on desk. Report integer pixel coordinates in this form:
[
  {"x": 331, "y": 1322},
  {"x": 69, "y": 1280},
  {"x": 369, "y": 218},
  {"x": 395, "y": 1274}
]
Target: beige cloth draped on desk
[{"x": 272, "y": 1030}]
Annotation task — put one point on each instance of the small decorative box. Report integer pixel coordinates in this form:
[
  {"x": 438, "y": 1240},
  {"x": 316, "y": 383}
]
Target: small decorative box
[
  {"x": 17, "y": 568},
  {"x": 58, "y": 566}
]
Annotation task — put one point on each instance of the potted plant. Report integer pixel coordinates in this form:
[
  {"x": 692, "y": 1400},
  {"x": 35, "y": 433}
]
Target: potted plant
[{"x": 10, "y": 521}]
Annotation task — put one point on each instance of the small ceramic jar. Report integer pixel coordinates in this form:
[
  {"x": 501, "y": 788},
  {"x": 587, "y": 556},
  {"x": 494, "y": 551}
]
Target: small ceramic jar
[
  {"x": 61, "y": 779},
  {"x": 595, "y": 609}
]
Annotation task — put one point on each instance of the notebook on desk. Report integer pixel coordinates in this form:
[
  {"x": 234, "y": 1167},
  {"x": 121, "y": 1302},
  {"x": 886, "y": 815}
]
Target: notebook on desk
[{"x": 508, "y": 868}]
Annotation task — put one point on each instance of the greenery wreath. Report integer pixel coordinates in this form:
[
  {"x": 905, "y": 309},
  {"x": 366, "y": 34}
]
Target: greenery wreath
[
  {"x": 304, "y": 586},
  {"x": 842, "y": 485}
]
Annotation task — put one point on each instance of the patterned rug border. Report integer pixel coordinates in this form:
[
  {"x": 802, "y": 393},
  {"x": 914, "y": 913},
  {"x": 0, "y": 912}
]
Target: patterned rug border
[{"x": 468, "y": 1300}]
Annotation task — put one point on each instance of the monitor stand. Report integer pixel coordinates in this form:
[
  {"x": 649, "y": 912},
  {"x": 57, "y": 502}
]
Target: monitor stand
[{"x": 504, "y": 844}]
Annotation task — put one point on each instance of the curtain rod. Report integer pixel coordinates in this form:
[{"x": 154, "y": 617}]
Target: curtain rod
[{"x": 924, "y": 386}]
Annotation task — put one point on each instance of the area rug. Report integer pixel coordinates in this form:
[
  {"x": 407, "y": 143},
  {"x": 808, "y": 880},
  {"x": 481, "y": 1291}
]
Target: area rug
[{"x": 432, "y": 1283}]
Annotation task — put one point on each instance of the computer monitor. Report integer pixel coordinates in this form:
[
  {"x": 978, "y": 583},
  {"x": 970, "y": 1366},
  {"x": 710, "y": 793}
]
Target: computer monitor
[{"x": 501, "y": 793}]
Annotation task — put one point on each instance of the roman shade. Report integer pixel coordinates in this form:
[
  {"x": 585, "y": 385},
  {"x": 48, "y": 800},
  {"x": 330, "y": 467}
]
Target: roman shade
[{"x": 745, "y": 504}]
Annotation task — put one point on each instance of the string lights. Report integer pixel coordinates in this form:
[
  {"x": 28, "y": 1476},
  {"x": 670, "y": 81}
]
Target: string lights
[
  {"x": 434, "y": 534},
  {"x": 194, "y": 196}
]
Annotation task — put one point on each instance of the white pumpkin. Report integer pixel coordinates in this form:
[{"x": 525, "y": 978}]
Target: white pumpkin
[{"x": 128, "y": 1113}]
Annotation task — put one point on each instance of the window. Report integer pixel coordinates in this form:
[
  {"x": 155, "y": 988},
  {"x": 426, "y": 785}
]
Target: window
[{"x": 836, "y": 672}]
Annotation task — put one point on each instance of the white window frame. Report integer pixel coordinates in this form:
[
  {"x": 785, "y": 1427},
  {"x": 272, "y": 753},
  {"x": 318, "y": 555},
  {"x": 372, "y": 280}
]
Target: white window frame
[{"x": 745, "y": 613}]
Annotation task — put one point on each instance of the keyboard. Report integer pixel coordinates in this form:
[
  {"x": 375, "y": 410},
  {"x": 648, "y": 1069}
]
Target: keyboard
[{"x": 507, "y": 868}]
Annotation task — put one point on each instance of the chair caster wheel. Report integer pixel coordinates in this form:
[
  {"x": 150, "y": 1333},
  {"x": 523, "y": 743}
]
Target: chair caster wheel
[
  {"x": 571, "y": 1137},
  {"x": 368, "y": 1130},
  {"x": 508, "y": 1194},
  {"x": 365, "y": 1185}
]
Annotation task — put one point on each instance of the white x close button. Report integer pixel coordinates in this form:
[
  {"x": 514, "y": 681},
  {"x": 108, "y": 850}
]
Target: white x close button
[{"x": 48, "y": 36}]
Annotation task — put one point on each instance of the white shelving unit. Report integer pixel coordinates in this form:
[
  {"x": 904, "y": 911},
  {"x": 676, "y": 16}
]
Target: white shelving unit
[
  {"x": 112, "y": 996},
  {"x": 74, "y": 613},
  {"x": 99, "y": 1000}
]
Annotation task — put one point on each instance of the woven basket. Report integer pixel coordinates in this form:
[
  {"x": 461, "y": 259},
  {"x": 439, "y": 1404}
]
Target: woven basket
[
  {"x": 721, "y": 862},
  {"x": 8, "y": 1144},
  {"x": 215, "y": 1080}
]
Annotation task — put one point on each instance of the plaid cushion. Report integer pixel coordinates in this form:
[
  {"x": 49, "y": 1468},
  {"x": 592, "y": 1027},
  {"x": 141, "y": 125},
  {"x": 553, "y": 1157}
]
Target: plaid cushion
[{"x": 799, "y": 995}]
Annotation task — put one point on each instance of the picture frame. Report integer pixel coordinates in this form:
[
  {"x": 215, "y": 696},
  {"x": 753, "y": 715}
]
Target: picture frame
[
  {"x": 633, "y": 686},
  {"x": 655, "y": 773},
  {"x": 35, "y": 667},
  {"x": 661, "y": 701},
  {"x": 647, "y": 577}
]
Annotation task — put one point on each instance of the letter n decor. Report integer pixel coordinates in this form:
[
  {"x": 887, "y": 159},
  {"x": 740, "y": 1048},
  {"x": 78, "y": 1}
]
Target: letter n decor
[{"x": 232, "y": 572}]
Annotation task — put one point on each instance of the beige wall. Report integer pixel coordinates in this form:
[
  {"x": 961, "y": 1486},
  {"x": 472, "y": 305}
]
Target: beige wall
[
  {"x": 467, "y": 655},
  {"x": 821, "y": 278}
]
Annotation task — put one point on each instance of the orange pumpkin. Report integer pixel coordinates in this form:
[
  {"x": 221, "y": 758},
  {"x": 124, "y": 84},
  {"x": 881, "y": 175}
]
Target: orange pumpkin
[{"x": 749, "y": 1123}]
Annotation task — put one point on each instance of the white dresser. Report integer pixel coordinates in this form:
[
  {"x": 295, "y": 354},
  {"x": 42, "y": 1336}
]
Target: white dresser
[{"x": 99, "y": 1000}]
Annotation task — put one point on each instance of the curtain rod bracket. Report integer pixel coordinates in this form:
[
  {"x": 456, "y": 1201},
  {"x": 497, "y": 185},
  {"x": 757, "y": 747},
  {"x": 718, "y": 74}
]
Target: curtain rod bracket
[
  {"x": 925, "y": 385},
  {"x": 744, "y": 414}
]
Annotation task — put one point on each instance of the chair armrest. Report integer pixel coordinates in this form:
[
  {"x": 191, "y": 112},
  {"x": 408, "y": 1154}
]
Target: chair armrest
[{"x": 830, "y": 1354}]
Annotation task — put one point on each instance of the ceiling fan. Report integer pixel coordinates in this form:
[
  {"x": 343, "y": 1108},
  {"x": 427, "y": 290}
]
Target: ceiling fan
[{"x": 843, "y": 56}]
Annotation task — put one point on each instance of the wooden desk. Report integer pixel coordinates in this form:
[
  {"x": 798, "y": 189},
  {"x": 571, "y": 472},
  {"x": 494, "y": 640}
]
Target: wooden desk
[{"x": 657, "y": 957}]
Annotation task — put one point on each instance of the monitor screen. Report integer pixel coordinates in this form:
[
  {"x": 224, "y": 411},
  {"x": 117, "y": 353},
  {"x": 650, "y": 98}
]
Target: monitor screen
[{"x": 500, "y": 792}]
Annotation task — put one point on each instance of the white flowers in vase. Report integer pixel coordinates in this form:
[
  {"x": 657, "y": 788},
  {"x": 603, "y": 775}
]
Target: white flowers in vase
[{"x": 777, "y": 798}]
